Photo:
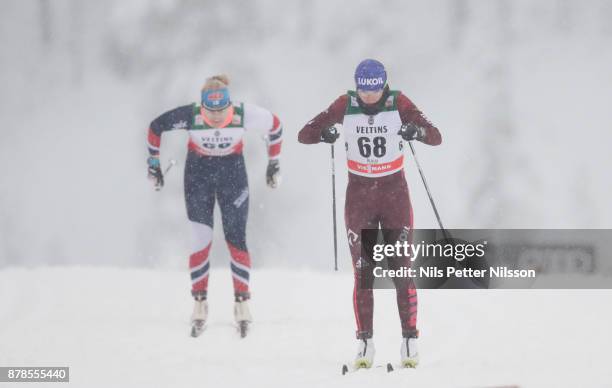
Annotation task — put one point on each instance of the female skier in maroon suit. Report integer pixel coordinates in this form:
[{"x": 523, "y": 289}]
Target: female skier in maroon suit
[{"x": 376, "y": 122}]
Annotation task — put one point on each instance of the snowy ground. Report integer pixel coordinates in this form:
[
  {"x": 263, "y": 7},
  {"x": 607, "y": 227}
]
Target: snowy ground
[{"x": 129, "y": 328}]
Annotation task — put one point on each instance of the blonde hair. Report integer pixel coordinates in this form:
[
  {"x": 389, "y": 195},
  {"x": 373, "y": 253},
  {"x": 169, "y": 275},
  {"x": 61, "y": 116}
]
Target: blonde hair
[{"x": 216, "y": 82}]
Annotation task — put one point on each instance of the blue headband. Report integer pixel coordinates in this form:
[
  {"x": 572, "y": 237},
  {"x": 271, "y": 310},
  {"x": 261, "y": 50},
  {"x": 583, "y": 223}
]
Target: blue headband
[{"x": 216, "y": 99}]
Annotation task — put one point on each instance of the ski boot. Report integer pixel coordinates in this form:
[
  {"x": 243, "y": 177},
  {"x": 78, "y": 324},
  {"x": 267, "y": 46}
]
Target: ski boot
[
  {"x": 242, "y": 315},
  {"x": 365, "y": 353},
  {"x": 409, "y": 355},
  {"x": 199, "y": 315}
]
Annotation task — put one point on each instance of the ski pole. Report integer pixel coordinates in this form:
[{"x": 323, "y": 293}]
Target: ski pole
[
  {"x": 171, "y": 163},
  {"x": 433, "y": 204},
  {"x": 333, "y": 171}
]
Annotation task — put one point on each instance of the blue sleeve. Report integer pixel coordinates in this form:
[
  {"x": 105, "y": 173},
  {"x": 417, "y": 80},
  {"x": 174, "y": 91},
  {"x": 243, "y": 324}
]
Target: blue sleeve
[{"x": 179, "y": 118}]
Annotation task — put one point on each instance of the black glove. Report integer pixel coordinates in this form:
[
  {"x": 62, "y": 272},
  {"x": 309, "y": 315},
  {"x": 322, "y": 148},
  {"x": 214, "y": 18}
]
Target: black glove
[
  {"x": 329, "y": 135},
  {"x": 273, "y": 173},
  {"x": 155, "y": 173},
  {"x": 410, "y": 132}
]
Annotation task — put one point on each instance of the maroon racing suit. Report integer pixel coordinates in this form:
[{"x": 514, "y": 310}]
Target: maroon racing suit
[{"x": 377, "y": 193}]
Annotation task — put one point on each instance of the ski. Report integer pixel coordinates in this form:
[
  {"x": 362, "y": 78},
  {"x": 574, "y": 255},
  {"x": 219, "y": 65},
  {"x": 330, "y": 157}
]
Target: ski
[
  {"x": 199, "y": 326},
  {"x": 351, "y": 368},
  {"x": 408, "y": 364}
]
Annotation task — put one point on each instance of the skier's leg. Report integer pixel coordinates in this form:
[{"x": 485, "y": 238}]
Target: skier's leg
[
  {"x": 407, "y": 304},
  {"x": 199, "y": 264},
  {"x": 233, "y": 196},
  {"x": 407, "y": 301},
  {"x": 357, "y": 216},
  {"x": 397, "y": 215},
  {"x": 200, "y": 201}
]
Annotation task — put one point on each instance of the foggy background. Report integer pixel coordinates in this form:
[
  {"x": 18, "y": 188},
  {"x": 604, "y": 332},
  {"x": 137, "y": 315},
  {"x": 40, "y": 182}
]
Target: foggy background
[{"x": 520, "y": 91}]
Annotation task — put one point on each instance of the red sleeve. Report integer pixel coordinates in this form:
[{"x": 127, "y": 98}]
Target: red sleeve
[
  {"x": 311, "y": 133},
  {"x": 275, "y": 138},
  {"x": 154, "y": 142},
  {"x": 409, "y": 113}
]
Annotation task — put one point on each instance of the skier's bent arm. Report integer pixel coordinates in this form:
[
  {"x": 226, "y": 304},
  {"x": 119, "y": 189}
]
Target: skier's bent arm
[
  {"x": 311, "y": 133},
  {"x": 410, "y": 114},
  {"x": 179, "y": 118},
  {"x": 260, "y": 119}
]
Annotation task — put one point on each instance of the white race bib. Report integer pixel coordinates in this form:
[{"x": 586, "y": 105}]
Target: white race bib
[{"x": 373, "y": 147}]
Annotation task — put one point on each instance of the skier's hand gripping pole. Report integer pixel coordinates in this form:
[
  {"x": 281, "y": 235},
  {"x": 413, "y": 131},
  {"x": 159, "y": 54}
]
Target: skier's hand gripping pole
[
  {"x": 273, "y": 175},
  {"x": 155, "y": 173}
]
